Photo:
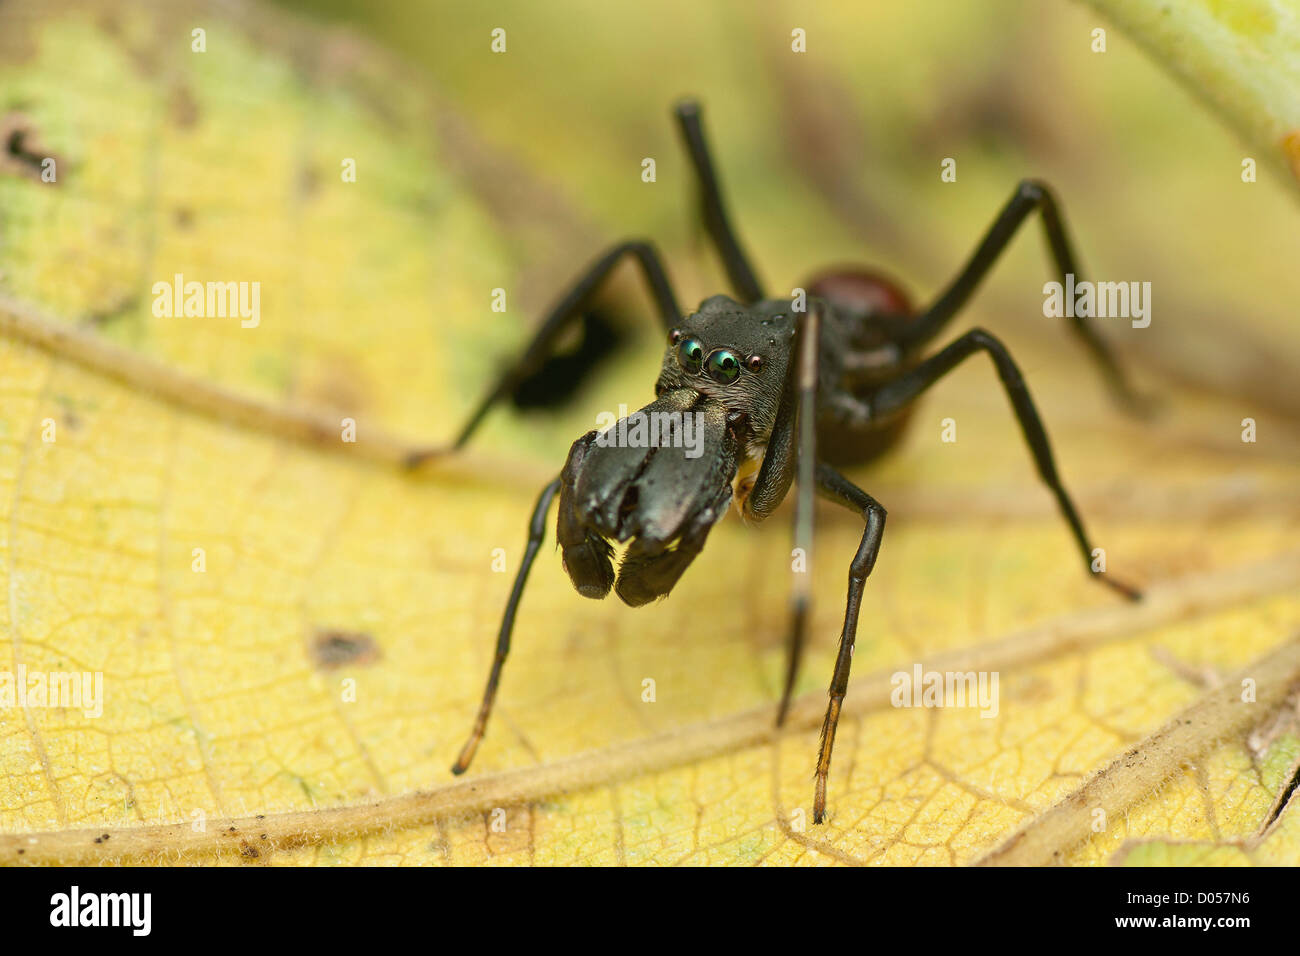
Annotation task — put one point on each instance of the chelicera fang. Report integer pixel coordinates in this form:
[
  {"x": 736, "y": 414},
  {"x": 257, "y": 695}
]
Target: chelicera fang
[{"x": 796, "y": 394}]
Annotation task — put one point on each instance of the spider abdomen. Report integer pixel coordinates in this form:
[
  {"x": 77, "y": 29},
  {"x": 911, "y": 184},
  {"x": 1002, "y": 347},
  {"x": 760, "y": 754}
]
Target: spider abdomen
[
  {"x": 866, "y": 308},
  {"x": 860, "y": 295}
]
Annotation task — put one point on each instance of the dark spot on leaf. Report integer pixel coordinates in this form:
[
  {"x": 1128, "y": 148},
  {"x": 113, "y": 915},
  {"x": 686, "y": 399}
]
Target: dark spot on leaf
[
  {"x": 184, "y": 217},
  {"x": 68, "y": 409},
  {"x": 21, "y": 152},
  {"x": 333, "y": 382},
  {"x": 183, "y": 108},
  {"x": 117, "y": 312},
  {"x": 143, "y": 54},
  {"x": 331, "y": 649},
  {"x": 308, "y": 182}
]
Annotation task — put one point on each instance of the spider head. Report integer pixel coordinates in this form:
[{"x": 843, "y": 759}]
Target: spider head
[{"x": 735, "y": 355}]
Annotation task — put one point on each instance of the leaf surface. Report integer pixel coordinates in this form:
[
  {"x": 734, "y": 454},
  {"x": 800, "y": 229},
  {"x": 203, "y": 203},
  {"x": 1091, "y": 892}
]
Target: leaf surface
[{"x": 228, "y": 733}]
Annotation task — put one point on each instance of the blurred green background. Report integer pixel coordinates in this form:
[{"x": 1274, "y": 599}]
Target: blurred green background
[{"x": 834, "y": 155}]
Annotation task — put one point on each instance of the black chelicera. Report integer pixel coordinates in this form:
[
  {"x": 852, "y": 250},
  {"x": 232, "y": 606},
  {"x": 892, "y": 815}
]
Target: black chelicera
[{"x": 791, "y": 393}]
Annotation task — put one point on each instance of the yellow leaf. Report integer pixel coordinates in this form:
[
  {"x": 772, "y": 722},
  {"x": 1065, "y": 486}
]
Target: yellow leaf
[{"x": 300, "y": 699}]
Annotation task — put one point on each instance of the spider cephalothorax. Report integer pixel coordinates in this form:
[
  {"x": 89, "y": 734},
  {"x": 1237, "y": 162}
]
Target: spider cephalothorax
[{"x": 736, "y": 354}]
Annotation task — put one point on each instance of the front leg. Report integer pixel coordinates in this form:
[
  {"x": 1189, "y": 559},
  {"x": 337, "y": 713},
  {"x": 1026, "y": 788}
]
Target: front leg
[
  {"x": 835, "y": 486},
  {"x": 536, "y": 532},
  {"x": 791, "y": 451}
]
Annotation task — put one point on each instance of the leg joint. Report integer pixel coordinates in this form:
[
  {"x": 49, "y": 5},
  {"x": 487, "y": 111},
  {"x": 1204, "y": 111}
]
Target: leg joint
[
  {"x": 638, "y": 247},
  {"x": 1006, "y": 366},
  {"x": 1035, "y": 191}
]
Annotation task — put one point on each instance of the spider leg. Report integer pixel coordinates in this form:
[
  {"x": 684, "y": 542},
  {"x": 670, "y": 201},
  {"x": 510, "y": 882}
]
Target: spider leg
[
  {"x": 895, "y": 395},
  {"x": 835, "y": 486},
  {"x": 739, "y": 272},
  {"x": 791, "y": 451},
  {"x": 564, "y": 314},
  {"x": 536, "y": 533},
  {"x": 1030, "y": 195}
]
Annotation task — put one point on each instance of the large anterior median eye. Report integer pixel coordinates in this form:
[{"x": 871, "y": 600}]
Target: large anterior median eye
[
  {"x": 723, "y": 366},
  {"x": 690, "y": 354}
]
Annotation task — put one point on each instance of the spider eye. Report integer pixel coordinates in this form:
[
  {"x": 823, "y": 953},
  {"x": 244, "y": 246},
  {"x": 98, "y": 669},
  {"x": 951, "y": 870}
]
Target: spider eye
[
  {"x": 723, "y": 366},
  {"x": 690, "y": 354}
]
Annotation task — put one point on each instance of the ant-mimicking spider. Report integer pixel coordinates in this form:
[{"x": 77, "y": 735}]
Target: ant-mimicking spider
[{"x": 795, "y": 393}]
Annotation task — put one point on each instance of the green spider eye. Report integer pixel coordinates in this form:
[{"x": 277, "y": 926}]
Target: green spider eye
[
  {"x": 723, "y": 366},
  {"x": 690, "y": 354}
]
